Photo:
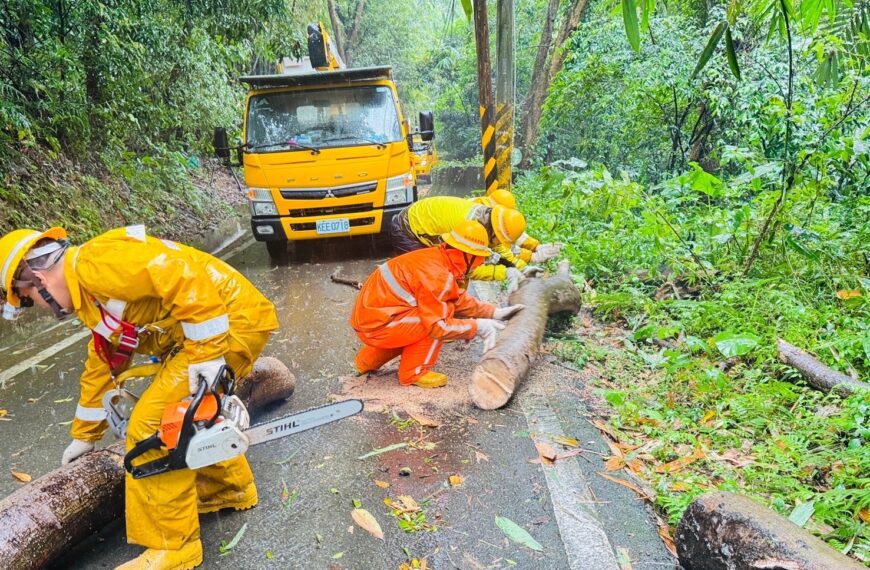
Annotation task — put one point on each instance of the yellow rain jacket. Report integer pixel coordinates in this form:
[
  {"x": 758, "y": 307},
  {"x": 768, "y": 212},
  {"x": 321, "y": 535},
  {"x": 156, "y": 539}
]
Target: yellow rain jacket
[
  {"x": 431, "y": 217},
  {"x": 178, "y": 295},
  {"x": 187, "y": 307}
]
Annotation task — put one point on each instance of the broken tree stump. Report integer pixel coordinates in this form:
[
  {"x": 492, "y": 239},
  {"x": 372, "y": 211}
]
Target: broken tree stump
[
  {"x": 507, "y": 364},
  {"x": 816, "y": 374},
  {"x": 44, "y": 519},
  {"x": 727, "y": 531}
]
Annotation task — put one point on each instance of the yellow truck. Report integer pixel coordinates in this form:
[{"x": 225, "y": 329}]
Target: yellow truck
[
  {"x": 326, "y": 150},
  {"x": 425, "y": 156}
]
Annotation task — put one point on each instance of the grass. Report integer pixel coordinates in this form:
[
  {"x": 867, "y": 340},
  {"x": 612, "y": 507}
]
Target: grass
[{"x": 699, "y": 398}]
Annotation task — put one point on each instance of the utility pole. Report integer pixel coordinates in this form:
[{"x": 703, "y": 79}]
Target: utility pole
[
  {"x": 505, "y": 86},
  {"x": 484, "y": 82}
]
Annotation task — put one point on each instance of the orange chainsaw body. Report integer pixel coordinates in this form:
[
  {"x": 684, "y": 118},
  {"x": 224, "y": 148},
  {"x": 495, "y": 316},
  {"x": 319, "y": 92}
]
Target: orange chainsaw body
[{"x": 173, "y": 417}]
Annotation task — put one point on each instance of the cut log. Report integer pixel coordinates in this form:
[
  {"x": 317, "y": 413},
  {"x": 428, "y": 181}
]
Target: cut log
[
  {"x": 727, "y": 531},
  {"x": 818, "y": 375},
  {"x": 506, "y": 365},
  {"x": 44, "y": 519}
]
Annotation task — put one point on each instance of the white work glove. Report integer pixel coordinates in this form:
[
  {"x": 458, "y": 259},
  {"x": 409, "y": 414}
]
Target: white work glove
[
  {"x": 514, "y": 276},
  {"x": 75, "y": 450},
  {"x": 532, "y": 270},
  {"x": 546, "y": 251},
  {"x": 207, "y": 370},
  {"x": 487, "y": 330},
  {"x": 505, "y": 313}
]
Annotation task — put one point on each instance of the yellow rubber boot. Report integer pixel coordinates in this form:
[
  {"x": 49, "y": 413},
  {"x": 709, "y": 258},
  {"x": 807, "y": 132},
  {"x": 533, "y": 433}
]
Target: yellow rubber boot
[
  {"x": 238, "y": 501},
  {"x": 431, "y": 380},
  {"x": 187, "y": 558}
]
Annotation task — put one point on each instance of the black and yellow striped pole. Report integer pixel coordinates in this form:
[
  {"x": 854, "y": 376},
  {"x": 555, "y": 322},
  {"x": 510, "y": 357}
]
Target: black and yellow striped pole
[
  {"x": 488, "y": 140},
  {"x": 484, "y": 82}
]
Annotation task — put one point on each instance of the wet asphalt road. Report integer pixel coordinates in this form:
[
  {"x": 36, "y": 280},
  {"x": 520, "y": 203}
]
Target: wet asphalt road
[{"x": 308, "y": 483}]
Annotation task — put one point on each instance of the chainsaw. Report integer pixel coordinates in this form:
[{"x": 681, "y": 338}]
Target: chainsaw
[{"x": 213, "y": 426}]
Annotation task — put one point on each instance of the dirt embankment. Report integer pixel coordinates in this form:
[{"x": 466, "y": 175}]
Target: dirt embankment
[{"x": 176, "y": 195}]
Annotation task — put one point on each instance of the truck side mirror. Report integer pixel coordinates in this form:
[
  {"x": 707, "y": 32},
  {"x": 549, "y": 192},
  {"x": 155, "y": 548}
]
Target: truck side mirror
[
  {"x": 221, "y": 144},
  {"x": 427, "y": 126}
]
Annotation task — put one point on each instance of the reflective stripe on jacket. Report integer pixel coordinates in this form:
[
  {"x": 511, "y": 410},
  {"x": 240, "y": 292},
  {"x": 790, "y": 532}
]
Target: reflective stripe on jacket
[{"x": 422, "y": 285}]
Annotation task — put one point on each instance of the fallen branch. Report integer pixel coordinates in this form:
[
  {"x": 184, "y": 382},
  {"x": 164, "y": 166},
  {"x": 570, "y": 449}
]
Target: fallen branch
[
  {"x": 818, "y": 375},
  {"x": 343, "y": 281},
  {"x": 507, "y": 364},
  {"x": 44, "y": 519},
  {"x": 723, "y": 531}
]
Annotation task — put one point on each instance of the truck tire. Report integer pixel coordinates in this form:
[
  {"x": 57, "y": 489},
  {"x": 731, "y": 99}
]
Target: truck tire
[{"x": 278, "y": 252}]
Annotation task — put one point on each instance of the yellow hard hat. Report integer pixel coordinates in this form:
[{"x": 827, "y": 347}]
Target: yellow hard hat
[
  {"x": 469, "y": 236},
  {"x": 504, "y": 198},
  {"x": 13, "y": 247},
  {"x": 507, "y": 224}
]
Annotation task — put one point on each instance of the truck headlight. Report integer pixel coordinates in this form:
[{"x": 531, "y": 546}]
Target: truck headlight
[
  {"x": 264, "y": 209},
  {"x": 261, "y": 203},
  {"x": 400, "y": 190}
]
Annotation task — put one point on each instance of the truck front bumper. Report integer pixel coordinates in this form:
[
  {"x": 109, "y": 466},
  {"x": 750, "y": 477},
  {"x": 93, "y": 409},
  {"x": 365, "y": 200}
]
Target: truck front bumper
[{"x": 286, "y": 228}]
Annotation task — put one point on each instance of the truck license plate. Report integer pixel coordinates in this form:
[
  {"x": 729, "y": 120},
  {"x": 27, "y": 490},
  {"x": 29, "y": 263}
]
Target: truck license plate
[{"x": 335, "y": 226}]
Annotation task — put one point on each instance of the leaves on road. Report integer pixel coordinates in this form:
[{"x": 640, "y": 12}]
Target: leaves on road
[
  {"x": 455, "y": 480},
  {"x": 227, "y": 547},
  {"x": 367, "y": 522},
  {"x": 382, "y": 484},
  {"x": 22, "y": 476},
  {"x": 386, "y": 449},
  {"x": 517, "y": 534}
]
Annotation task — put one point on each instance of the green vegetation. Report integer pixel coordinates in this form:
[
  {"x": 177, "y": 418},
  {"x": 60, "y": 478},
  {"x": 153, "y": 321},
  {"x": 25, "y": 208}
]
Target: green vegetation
[
  {"x": 105, "y": 107},
  {"x": 713, "y": 204}
]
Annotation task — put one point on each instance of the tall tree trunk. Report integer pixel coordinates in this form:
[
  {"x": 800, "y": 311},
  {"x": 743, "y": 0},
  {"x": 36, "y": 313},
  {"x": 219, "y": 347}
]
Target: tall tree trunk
[
  {"x": 541, "y": 89},
  {"x": 350, "y": 44},
  {"x": 337, "y": 29},
  {"x": 538, "y": 70}
]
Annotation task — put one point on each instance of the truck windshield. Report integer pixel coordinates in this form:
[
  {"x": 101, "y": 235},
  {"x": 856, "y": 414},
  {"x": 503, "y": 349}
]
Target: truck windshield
[{"x": 322, "y": 119}]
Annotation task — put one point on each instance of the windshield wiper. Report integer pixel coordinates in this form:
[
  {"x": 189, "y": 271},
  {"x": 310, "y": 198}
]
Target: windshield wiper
[
  {"x": 355, "y": 137},
  {"x": 313, "y": 149}
]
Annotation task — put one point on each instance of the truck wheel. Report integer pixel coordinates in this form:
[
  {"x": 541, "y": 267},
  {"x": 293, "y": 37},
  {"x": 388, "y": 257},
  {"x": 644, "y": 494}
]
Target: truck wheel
[{"x": 278, "y": 253}]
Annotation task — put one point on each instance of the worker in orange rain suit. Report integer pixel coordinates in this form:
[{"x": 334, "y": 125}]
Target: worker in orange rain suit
[
  {"x": 424, "y": 222},
  {"x": 412, "y": 303},
  {"x": 526, "y": 248},
  {"x": 150, "y": 296}
]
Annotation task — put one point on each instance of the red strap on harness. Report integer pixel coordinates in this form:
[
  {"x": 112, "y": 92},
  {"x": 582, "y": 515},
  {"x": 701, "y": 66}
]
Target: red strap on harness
[{"x": 128, "y": 341}]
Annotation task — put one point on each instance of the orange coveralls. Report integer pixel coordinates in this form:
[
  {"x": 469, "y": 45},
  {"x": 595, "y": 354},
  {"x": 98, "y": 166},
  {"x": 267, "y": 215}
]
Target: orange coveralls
[{"x": 410, "y": 305}]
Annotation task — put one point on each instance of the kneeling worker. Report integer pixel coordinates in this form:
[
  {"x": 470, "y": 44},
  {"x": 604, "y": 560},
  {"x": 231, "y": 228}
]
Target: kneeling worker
[
  {"x": 143, "y": 295},
  {"x": 412, "y": 303}
]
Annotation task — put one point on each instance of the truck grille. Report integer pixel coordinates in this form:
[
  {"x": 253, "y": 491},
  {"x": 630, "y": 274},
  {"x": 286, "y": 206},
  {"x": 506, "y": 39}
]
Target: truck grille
[
  {"x": 352, "y": 209},
  {"x": 308, "y": 226},
  {"x": 321, "y": 193}
]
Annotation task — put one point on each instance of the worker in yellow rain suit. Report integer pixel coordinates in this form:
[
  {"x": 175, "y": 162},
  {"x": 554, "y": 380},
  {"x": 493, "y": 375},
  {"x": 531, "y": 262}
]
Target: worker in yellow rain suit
[
  {"x": 423, "y": 223},
  {"x": 526, "y": 248},
  {"x": 143, "y": 295}
]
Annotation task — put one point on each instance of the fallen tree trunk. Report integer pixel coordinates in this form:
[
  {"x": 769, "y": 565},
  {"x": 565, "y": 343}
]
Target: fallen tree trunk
[
  {"x": 506, "y": 365},
  {"x": 44, "y": 519},
  {"x": 818, "y": 375},
  {"x": 726, "y": 531}
]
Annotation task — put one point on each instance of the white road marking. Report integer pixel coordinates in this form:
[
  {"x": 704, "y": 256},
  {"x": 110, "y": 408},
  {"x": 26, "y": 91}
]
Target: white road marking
[
  {"x": 17, "y": 369},
  {"x": 585, "y": 540}
]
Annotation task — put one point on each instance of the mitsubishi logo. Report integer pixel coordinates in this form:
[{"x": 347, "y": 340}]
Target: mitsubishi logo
[{"x": 329, "y": 194}]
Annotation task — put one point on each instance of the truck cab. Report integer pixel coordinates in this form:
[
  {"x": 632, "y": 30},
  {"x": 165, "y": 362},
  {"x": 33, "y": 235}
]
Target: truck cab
[
  {"x": 326, "y": 151},
  {"x": 325, "y": 154}
]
